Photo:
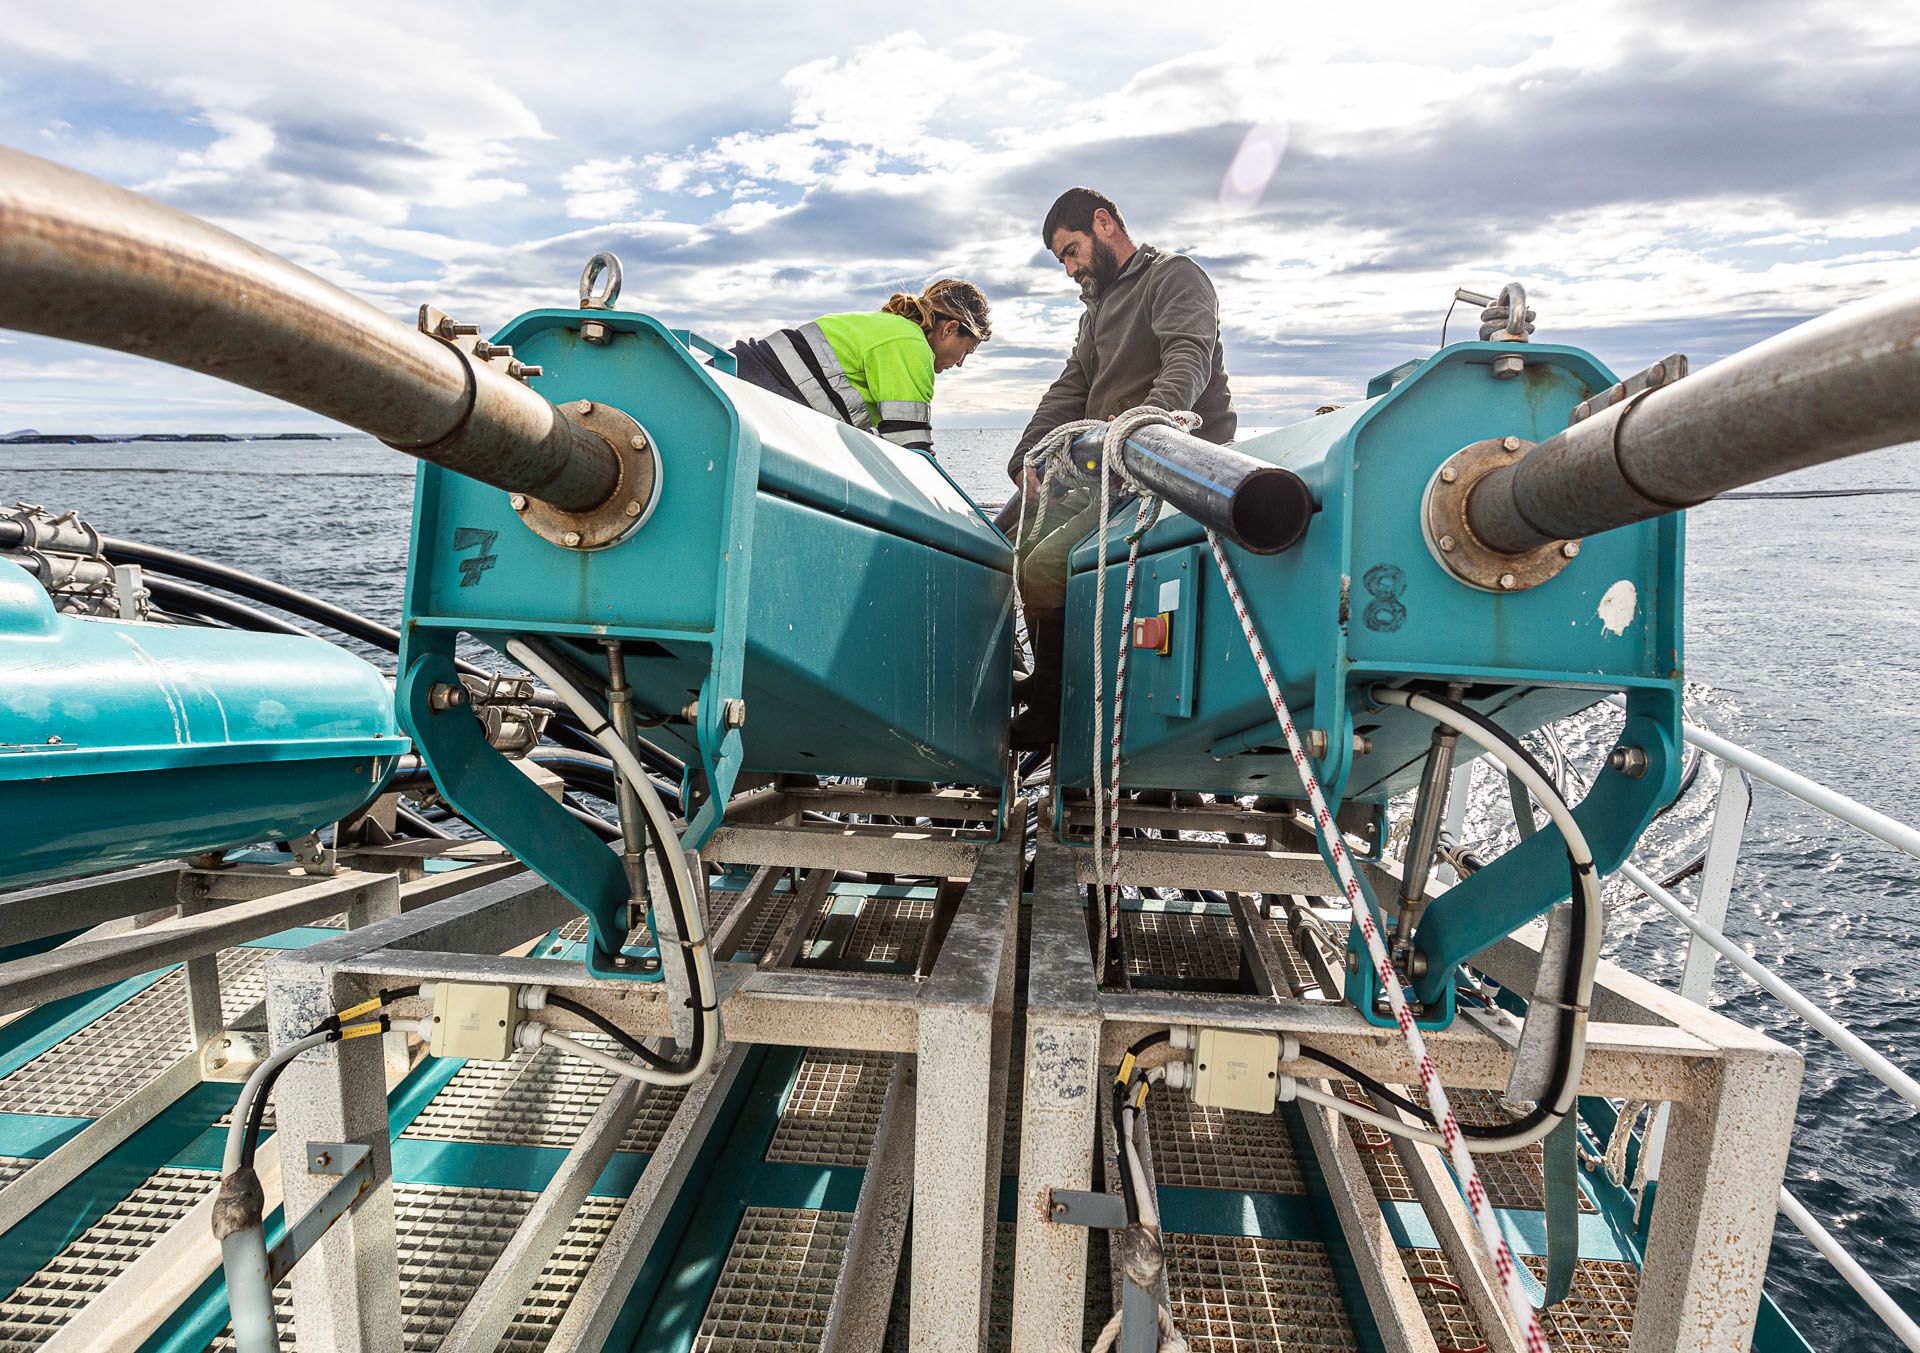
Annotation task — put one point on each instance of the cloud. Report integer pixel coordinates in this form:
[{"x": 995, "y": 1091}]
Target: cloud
[{"x": 599, "y": 190}]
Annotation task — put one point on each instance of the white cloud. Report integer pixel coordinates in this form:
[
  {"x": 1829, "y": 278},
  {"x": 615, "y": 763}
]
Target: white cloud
[{"x": 600, "y": 190}]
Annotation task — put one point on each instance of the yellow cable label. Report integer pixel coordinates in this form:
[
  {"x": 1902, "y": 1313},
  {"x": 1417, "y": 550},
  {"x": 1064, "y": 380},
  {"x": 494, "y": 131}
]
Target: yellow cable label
[
  {"x": 366, "y": 1007},
  {"x": 1125, "y": 1073},
  {"x": 1140, "y": 1096},
  {"x": 360, "y": 1030}
]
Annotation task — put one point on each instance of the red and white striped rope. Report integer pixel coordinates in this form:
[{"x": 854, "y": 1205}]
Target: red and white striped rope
[{"x": 1477, "y": 1202}]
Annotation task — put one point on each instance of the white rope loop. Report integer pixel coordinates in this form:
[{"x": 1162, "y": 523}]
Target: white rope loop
[{"x": 1462, "y": 1160}]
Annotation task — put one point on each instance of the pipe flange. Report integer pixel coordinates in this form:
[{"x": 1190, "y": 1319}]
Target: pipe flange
[
  {"x": 634, "y": 496},
  {"x": 1443, "y": 513}
]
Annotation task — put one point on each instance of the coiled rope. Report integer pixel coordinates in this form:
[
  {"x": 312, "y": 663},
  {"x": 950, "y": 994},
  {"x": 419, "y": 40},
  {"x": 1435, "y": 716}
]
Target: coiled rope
[{"x": 1504, "y": 1265}]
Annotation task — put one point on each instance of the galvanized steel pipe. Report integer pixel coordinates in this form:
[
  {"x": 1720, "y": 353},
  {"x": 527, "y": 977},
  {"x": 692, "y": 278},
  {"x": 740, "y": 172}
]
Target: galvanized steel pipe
[
  {"x": 83, "y": 260},
  {"x": 1833, "y": 387},
  {"x": 1259, "y": 507}
]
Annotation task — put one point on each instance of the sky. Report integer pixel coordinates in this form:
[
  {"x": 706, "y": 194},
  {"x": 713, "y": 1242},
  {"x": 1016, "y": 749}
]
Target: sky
[{"x": 1661, "y": 175}]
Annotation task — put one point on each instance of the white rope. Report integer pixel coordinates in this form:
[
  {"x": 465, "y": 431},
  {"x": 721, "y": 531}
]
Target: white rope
[
  {"x": 1518, "y": 1300},
  {"x": 1171, "y": 1339}
]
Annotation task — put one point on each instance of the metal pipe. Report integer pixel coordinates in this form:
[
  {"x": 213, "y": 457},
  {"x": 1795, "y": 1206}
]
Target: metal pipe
[
  {"x": 83, "y": 260},
  {"x": 1436, "y": 778},
  {"x": 1259, "y": 507},
  {"x": 1833, "y": 387}
]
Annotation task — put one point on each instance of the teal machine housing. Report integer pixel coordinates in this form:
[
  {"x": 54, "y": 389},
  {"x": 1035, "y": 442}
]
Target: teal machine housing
[
  {"x": 123, "y": 742},
  {"x": 1363, "y": 601},
  {"x": 800, "y": 597}
]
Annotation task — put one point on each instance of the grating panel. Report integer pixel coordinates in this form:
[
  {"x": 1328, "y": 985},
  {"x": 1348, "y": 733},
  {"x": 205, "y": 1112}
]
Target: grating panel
[
  {"x": 760, "y": 934},
  {"x": 543, "y": 1098},
  {"x": 1448, "y": 1318},
  {"x": 448, "y": 1239},
  {"x": 889, "y": 930},
  {"x": 1238, "y": 1294},
  {"x": 833, "y": 1110},
  {"x": 1181, "y": 944},
  {"x": 1200, "y": 1148},
  {"x": 777, "y": 1285},
  {"x": 91, "y": 1071},
  {"x": 1597, "y": 1316},
  {"x": 72, "y": 1278}
]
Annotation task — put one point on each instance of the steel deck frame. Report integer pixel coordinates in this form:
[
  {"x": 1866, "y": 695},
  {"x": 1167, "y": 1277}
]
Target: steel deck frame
[{"x": 1732, "y": 1092}]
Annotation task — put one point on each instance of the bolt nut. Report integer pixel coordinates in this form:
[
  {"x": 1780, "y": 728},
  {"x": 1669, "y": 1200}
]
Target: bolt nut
[
  {"x": 733, "y": 714},
  {"x": 1510, "y": 443},
  {"x": 445, "y": 695},
  {"x": 595, "y": 332},
  {"x": 637, "y": 442},
  {"x": 584, "y": 406},
  {"x": 1508, "y": 364},
  {"x": 571, "y": 539},
  {"x": 1448, "y": 474},
  {"x": 1570, "y": 548},
  {"x": 1629, "y": 761},
  {"x": 1508, "y": 582},
  {"x": 633, "y": 507},
  {"x": 1448, "y": 544},
  {"x": 517, "y": 501}
]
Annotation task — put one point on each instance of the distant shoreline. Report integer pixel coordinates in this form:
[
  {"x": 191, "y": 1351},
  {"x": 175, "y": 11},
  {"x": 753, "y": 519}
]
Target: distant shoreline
[{"x": 110, "y": 439}]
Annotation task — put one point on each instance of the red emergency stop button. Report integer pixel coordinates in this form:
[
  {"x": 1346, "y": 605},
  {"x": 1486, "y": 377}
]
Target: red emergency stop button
[{"x": 1152, "y": 631}]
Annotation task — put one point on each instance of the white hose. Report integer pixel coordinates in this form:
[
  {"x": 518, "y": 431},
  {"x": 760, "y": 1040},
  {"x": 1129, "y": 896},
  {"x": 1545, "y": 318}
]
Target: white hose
[
  {"x": 1588, "y": 893},
  {"x": 695, "y": 938},
  {"x": 243, "y": 1106}
]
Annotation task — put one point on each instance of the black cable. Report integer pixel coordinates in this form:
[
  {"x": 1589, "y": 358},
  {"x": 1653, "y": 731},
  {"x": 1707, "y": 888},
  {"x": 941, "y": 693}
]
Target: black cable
[
  {"x": 1563, "y": 1065},
  {"x": 1122, "y": 1088},
  {"x": 1368, "y": 1083},
  {"x": 257, "y": 1115},
  {"x": 180, "y": 597},
  {"x": 611, "y": 1030}
]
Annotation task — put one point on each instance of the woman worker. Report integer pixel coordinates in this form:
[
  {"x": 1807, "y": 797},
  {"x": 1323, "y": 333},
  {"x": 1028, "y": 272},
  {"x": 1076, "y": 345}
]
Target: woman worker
[{"x": 874, "y": 369}]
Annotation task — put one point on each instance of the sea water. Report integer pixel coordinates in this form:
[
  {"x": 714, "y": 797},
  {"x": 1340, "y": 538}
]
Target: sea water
[{"x": 1803, "y": 643}]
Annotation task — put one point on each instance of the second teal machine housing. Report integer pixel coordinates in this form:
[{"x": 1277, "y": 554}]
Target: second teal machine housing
[
  {"x": 844, "y": 588},
  {"x": 1363, "y": 600}
]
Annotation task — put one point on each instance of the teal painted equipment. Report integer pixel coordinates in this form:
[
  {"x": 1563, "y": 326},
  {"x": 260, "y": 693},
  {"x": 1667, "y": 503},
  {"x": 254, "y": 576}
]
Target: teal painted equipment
[
  {"x": 796, "y": 596},
  {"x": 124, "y": 742},
  {"x": 1364, "y": 600}
]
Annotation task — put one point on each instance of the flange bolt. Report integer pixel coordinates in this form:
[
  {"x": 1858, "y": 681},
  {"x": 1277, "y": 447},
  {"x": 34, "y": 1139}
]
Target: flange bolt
[
  {"x": 517, "y": 501},
  {"x": 571, "y": 539},
  {"x": 445, "y": 695}
]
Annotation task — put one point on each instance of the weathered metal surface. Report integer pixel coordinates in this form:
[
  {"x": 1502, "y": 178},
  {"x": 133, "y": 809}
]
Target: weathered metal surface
[
  {"x": 1464, "y": 554},
  {"x": 87, "y": 261},
  {"x": 1835, "y": 386},
  {"x": 899, "y": 850},
  {"x": 863, "y": 1293},
  {"x": 1155, "y": 864}
]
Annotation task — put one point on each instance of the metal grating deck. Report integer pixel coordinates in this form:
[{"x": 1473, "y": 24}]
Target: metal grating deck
[
  {"x": 543, "y": 1098},
  {"x": 889, "y": 930},
  {"x": 1235, "y": 1294},
  {"x": 777, "y": 1285},
  {"x": 833, "y": 1110},
  {"x": 1169, "y": 945},
  {"x": 1596, "y": 1317},
  {"x": 1448, "y": 1319},
  {"x": 40, "y": 1305},
  {"x": 90, "y": 1072},
  {"x": 1199, "y": 1148},
  {"x": 449, "y": 1238}
]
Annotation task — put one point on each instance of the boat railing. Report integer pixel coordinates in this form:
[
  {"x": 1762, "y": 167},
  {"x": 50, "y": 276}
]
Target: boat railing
[{"x": 1706, "y": 918}]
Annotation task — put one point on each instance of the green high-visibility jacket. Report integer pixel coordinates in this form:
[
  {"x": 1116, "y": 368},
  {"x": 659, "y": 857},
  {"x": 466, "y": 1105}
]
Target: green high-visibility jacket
[{"x": 871, "y": 369}]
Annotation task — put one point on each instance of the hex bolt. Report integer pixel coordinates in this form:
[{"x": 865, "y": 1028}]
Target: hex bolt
[
  {"x": 1629, "y": 761},
  {"x": 571, "y": 539},
  {"x": 517, "y": 501},
  {"x": 445, "y": 695},
  {"x": 1448, "y": 474},
  {"x": 633, "y": 507},
  {"x": 637, "y": 442},
  {"x": 733, "y": 713},
  {"x": 584, "y": 406},
  {"x": 1508, "y": 582},
  {"x": 485, "y": 350},
  {"x": 1510, "y": 443},
  {"x": 1570, "y": 548},
  {"x": 1448, "y": 544}
]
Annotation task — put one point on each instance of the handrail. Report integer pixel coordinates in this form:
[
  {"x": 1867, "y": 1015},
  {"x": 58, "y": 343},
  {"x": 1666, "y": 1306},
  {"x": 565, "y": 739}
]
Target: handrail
[
  {"x": 1854, "y": 813},
  {"x": 1835, "y": 1032},
  {"x": 1876, "y": 824},
  {"x": 1897, "y": 1320}
]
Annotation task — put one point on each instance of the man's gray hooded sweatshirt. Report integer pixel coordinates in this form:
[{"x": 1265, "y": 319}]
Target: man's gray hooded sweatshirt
[{"x": 1152, "y": 336}]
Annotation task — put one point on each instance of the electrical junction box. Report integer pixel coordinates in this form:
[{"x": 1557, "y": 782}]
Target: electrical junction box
[
  {"x": 474, "y": 1019},
  {"x": 1236, "y": 1070}
]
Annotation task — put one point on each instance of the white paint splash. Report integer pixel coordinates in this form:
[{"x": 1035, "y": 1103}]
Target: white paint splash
[{"x": 1618, "y": 606}]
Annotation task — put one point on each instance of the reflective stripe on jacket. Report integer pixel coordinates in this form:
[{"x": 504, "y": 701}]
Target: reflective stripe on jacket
[{"x": 870, "y": 369}]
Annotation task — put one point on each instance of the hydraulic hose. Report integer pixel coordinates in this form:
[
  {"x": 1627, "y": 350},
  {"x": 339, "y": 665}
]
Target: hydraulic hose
[{"x": 682, "y": 894}]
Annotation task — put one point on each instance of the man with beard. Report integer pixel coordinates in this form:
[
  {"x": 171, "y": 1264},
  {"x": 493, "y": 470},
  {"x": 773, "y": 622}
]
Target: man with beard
[{"x": 1150, "y": 335}]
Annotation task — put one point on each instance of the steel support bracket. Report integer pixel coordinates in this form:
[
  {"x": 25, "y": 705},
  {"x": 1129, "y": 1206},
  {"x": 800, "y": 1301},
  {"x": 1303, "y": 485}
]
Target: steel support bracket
[
  {"x": 353, "y": 1162},
  {"x": 1078, "y": 1207}
]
